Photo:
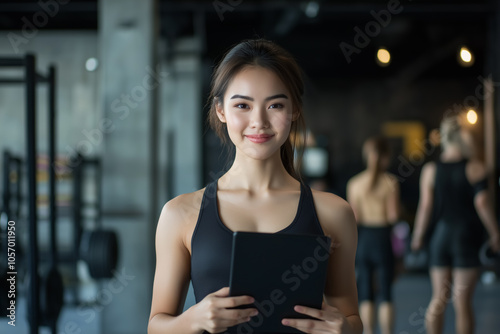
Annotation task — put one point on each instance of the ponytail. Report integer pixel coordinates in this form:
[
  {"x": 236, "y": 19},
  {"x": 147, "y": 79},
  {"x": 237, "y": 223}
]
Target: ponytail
[{"x": 380, "y": 146}]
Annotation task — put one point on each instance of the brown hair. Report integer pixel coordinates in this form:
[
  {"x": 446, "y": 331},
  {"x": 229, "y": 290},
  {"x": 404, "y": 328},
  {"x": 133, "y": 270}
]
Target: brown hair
[
  {"x": 266, "y": 54},
  {"x": 380, "y": 145}
]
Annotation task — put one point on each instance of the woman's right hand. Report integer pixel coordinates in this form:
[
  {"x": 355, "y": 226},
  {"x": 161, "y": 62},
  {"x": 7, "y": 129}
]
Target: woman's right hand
[
  {"x": 416, "y": 243},
  {"x": 214, "y": 313},
  {"x": 495, "y": 242}
]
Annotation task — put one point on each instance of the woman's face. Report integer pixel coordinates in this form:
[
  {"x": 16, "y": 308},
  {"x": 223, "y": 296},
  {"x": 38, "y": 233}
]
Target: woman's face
[{"x": 257, "y": 109}]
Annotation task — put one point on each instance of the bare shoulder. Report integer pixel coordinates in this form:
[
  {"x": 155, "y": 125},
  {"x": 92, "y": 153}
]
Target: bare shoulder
[
  {"x": 356, "y": 178},
  {"x": 354, "y": 183},
  {"x": 184, "y": 207},
  {"x": 334, "y": 213},
  {"x": 475, "y": 170},
  {"x": 391, "y": 179},
  {"x": 179, "y": 215},
  {"x": 429, "y": 167},
  {"x": 428, "y": 170}
]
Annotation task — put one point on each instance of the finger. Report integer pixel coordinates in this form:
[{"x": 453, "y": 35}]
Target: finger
[
  {"x": 307, "y": 325},
  {"x": 238, "y": 313},
  {"x": 230, "y": 302},
  {"x": 328, "y": 313},
  {"x": 230, "y": 318},
  {"x": 224, "y": 292}
]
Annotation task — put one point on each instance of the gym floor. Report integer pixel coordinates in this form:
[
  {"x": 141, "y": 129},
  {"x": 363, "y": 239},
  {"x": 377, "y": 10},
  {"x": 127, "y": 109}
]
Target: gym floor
[
  {"x": 413, "y": 292},
  {"x": 411, "y": 296}
]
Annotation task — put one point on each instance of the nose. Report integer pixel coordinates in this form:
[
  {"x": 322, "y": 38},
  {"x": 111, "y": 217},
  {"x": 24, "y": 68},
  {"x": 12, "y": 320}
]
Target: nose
[{"x": 259, "y": 118}]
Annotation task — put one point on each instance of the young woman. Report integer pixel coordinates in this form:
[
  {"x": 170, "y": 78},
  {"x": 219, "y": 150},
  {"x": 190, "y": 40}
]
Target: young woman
[
  {"x": 256, "y": 100},
  {"x": 454, "y": 189},
  {"x": 374, "y": 197}
]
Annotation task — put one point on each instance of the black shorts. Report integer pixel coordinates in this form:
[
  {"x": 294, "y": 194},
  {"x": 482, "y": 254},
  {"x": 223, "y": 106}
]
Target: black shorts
[
  {"x": 374, "y": 257},
  {"x": 455, "y": 245}
]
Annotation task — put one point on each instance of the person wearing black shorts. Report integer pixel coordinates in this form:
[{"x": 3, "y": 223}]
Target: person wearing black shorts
[
  {"x": 374, "y": 197},
  {"x": 453, "y": 191}
]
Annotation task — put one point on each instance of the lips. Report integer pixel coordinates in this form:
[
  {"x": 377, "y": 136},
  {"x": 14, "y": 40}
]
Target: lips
[{"x": 262, "y": 138}]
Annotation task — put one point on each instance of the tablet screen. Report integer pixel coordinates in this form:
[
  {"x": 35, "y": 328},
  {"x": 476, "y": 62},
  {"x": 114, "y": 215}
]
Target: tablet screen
[{"x": 280, "y": 271}]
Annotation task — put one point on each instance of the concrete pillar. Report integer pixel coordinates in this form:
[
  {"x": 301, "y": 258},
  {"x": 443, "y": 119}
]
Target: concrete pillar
[
  {"x": 186, "y": 116},
  {"x": 181, "y": 124},
  {"x": 496, "y": 79},
  {"x": 129, "y": 85}
]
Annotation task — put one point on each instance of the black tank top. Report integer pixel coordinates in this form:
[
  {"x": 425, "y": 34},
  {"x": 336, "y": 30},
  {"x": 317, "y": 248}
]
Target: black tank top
[
  {"x": 454, "y": 195},
  {"x": 211, "y": 242}
]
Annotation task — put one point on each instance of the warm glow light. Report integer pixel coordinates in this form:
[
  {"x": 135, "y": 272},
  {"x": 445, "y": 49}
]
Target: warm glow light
[
  {"x": 472, "y": 116},
  {"x": 383, "y": 56},
  {"x": 465, "y": 57}
]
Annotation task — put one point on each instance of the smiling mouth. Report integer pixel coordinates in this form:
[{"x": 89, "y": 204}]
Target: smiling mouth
[{"x": 259, "y": 138}]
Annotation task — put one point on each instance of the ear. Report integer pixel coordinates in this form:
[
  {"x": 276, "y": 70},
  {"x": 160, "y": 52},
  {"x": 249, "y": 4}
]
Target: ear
[
  {"x": 220, "y": 111},
  {"x": 295, "y": 116}
]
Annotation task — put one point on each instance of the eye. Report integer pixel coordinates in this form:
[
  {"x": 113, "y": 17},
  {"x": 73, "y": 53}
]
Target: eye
[
  {"x": 276, "y": 106},
  {"x": 241, "y": 106}
]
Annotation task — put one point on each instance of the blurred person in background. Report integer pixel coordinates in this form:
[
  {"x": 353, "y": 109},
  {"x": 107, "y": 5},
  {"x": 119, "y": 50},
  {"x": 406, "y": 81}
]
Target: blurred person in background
[
  {"x": 374, "y": 197},
  {"x": 453, "y": 192}
]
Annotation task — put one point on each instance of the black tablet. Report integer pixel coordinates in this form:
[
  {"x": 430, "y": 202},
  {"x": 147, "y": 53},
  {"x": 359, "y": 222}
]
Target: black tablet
[{"x": 279, "y": 271}]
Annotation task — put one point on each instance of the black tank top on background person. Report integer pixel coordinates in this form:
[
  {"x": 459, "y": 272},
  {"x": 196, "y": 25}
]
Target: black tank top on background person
[
  {"x": 457, "y": 232},
  {"x": 454, "y": 195},
  {"x": 211, "y": 243},
  {"x": 457, "y": 228}
]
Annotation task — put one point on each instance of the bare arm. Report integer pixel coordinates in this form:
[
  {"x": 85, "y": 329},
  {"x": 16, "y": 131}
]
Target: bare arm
[
  {"x": 215, "y": 312},
  {"x": 424, "y": 209},
  {"x": 476, "y": 172},
  {"x": 341, "y": 291},
  {"x": 485, "y": 211},
  {"x": 171, "y": 276},
  {"x": 352, "y": 198}
]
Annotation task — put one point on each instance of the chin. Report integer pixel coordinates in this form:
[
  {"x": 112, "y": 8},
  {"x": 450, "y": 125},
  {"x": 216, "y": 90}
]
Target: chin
[{"x": 259, "y": 154}]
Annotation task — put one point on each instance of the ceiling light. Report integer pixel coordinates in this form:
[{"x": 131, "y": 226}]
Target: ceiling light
[
  {"x": 383, "y": 57},
  {"x": 472, "y": 116}
]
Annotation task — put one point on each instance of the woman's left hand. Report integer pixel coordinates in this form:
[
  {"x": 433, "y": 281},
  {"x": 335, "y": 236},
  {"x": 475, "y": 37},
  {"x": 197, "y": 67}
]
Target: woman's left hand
[{"x": 330, "y": 320}]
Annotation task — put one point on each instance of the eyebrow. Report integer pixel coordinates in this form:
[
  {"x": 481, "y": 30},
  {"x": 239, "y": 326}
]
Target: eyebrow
[{"x": 277, "y": 96}]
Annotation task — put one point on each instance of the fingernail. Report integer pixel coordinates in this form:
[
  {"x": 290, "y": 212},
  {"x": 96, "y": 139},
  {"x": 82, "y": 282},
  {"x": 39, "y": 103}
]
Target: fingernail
[
  {"x": 298, "y": 309},
  {"x": 286, "y": 322},
  {"x": 255, "y": 313}
]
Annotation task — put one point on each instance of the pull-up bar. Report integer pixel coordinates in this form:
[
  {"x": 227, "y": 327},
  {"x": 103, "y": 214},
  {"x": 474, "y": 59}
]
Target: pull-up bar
[
  {"x": 38, "y": 78},
  {"x": 31, "y": 78}
]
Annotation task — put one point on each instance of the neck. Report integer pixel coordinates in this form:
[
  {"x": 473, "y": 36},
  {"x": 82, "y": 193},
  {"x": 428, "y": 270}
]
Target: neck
[
  {"x": 372, "y": 168},
  {"x": 451, "y": 153},
  {"x": 257, "y": 175}
]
